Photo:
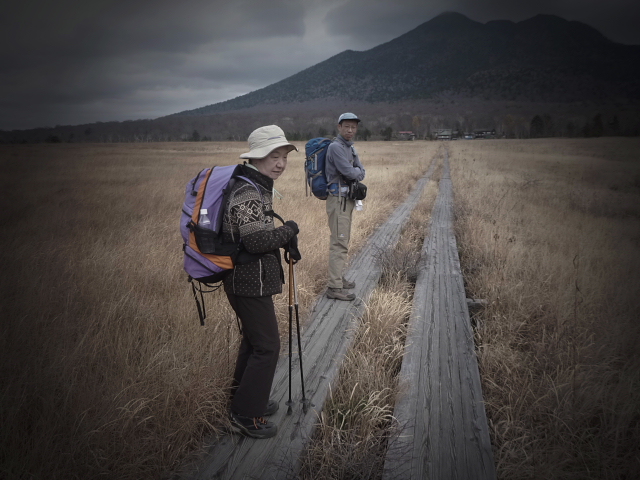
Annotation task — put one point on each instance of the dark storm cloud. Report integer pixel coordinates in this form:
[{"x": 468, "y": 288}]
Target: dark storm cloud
[
  {"x": 109, "y": 27},
  {"x": 368, "y": 23},
  {"x": 60, "y": 54}
]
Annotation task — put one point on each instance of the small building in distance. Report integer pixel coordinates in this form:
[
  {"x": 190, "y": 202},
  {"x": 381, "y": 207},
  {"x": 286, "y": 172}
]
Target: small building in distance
[
  {"x": 484, "y": 133},
  {"x": 451, "y": 134},
  {"x": 406, "y": 135},
  {"x": 443, "y": 134}
]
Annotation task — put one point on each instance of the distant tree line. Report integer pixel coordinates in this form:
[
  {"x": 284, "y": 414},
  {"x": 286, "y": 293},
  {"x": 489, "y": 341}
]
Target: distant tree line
[
  {"x": 380, "y": 122},
  {"x": 545, "y": 126},
  {"x": 296, "y": 136}
]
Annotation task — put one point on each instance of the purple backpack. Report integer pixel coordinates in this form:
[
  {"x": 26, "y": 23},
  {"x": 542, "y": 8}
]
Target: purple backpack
[{"x": 207, "y": 259}]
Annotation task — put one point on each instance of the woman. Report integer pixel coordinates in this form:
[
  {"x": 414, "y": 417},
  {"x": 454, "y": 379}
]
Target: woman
[{"x": 250, "y": 287}]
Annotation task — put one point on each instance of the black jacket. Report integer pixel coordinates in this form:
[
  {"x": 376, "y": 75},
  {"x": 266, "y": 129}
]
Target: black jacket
[{"x": 246, "y": 220}]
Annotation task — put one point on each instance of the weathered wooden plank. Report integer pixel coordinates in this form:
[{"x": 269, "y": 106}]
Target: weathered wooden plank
[
  {"x": 325, "y": 341},
  {"x": 442, "y": 429},
  {"x": 458, "y": 456},
  {"x": 477, "y": 431},
  {"x": 412, "y": 361}
]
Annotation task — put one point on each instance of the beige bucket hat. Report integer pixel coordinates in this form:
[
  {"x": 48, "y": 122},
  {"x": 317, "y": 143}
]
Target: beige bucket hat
[{"x": 265, "y": 140}]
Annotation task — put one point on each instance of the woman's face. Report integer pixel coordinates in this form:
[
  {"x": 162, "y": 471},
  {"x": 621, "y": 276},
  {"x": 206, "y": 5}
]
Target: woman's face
[{"x": 274, "y": 164}]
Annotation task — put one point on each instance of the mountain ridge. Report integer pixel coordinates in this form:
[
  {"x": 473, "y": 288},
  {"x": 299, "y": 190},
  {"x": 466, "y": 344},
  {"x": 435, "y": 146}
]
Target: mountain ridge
[{"x": 544, "y": 58}]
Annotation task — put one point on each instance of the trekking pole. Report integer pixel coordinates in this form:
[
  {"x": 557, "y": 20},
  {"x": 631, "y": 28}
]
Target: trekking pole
[
  {"x": 290, "y": 402},
  {"x": 305, "y": 402}
]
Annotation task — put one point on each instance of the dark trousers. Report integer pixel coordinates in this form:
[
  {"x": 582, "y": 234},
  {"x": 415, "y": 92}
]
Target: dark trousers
[{"x": 257, "y": 356}]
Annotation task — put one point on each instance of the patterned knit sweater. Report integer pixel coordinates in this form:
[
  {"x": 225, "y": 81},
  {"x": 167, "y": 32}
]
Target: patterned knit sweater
[{"x": 245, "y": 220}]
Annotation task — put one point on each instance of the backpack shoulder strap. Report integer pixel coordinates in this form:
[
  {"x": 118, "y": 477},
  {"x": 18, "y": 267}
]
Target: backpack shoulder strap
[
  {"x": 270, "y": 213},
  {"x": 273, "y": 214}
]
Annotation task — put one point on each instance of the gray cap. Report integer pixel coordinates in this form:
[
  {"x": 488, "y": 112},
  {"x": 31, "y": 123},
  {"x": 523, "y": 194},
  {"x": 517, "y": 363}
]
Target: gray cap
[{"x": 348, "y": 116}]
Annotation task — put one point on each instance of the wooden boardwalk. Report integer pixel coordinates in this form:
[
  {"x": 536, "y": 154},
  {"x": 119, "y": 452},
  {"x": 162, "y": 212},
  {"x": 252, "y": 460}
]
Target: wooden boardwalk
[
  {"x": 441, "y": 430},
  {"x": 325, "y": 340}
]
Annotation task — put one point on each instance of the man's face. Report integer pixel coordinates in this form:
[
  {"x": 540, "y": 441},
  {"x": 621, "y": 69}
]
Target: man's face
[{"x": 348, "y": 129}]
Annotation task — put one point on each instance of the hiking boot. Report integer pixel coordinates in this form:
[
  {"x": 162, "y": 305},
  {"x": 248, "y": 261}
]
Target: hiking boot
[
  {"x": 339, "y": 294},
  {"x": 272, "y": 407},
  {"x": 347, "y": 285},
  {"x": 254, "y": 427}
]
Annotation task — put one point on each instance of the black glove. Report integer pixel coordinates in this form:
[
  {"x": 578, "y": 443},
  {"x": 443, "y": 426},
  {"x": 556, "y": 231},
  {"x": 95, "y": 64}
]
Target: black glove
[
  {"x": 293, "y": 226},
  {"x": 291, "y": 250}
]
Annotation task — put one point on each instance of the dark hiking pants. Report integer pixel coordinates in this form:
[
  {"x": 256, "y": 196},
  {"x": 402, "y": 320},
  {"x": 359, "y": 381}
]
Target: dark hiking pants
[{"x": 257, "y": 356}]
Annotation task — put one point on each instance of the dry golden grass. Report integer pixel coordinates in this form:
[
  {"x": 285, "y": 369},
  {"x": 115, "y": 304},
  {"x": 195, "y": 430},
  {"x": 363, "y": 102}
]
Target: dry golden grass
[
  {"x": 549, "y": 234},
  {"x": 106, "y": 372},
  {"x": 105, "y": 369}
]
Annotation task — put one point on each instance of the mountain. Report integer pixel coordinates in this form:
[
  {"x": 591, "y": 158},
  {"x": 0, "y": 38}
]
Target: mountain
[
  {"x": 564, "y": 77},
  {"x": 543, "y": 59}
]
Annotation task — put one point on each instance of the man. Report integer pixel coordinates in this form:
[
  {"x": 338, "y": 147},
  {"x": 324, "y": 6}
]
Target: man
[{"x": 342, "y": 167}]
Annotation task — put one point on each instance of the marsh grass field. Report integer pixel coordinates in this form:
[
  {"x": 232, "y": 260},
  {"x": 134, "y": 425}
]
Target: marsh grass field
[
  {"x": 549, "y": 235},
  {"x": 106, "y": 371}
]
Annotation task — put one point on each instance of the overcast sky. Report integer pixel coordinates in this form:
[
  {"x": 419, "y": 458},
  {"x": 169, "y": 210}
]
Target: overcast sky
[{"x": 73, "y": 62}]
